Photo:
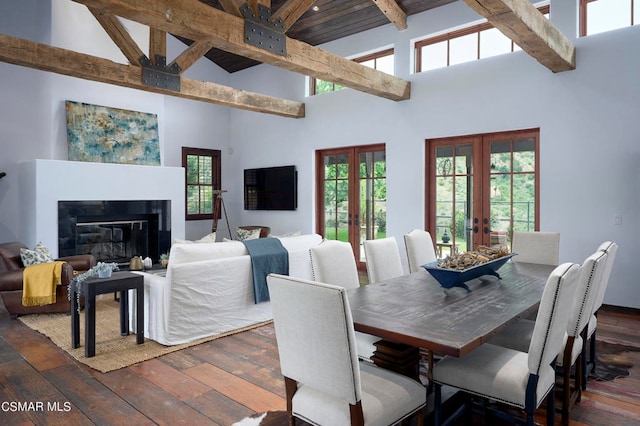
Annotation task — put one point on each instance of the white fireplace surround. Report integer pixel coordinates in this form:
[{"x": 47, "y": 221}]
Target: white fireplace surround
[{"x": 45, "y": 182}]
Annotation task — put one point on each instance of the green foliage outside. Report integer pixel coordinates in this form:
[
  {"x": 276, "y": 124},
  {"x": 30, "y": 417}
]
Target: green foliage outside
[
  {"x": 326, "y": 86},
  {"x": 373, "y": 193},
  {"x": 507, "y": 187}
]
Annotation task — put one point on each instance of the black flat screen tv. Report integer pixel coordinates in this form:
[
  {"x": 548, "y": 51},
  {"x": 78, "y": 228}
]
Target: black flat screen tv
[{"x": 271, "y": 188}]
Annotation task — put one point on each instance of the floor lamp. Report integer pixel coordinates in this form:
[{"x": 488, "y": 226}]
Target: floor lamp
[{"x": 217, "y": 204}]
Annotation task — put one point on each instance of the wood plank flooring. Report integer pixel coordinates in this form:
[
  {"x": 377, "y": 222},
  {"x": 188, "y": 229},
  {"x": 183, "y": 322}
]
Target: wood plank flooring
[{"x": 218, "y": 383}]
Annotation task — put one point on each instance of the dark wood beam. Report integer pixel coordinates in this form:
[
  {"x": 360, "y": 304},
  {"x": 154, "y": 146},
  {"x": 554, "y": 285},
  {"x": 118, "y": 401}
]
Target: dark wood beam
[
  {"x": 528, "y": 28},
  {"x": 197, "y": 21},
  {"x": 48, "y": 58}
]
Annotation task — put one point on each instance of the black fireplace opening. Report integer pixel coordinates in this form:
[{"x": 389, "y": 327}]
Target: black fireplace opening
[{"x": 114, "y": 231}]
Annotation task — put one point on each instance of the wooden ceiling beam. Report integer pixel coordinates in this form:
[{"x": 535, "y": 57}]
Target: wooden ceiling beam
[
  {"x": 292, "y": 10},
  {"x": 254, "y": 5},
  {"x": 157, "y": 44},
  {"x": 120, "y": 36},
  {"x": 191, "y": 55},
  {"x": 393, "y": 12},
  {"x": 528, "y": 28},
  {"x": 54, "y": 59},
  {"x": 232, "y": 6},
  {"x": 197, "y": 21}
]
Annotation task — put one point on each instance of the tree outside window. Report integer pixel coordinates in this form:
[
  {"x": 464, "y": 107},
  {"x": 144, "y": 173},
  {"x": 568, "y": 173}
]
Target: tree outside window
[
  {"x": 381, "y": 61},
  {"x": 202, "y": 177}
]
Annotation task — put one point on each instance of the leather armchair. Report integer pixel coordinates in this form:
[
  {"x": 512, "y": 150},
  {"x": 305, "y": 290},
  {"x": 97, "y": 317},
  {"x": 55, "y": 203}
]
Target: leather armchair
[{"x": 11, "y": 272}]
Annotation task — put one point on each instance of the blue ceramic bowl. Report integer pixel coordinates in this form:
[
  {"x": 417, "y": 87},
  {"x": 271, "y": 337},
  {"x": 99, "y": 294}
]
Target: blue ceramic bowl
[{"x": 452, "y": 278}]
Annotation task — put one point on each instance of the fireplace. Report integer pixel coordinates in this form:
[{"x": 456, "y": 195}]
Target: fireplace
[{"x": 114, "y": 231}]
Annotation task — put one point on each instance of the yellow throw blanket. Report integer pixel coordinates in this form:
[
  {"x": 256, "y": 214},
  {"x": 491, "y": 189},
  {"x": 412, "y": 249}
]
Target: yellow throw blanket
[{"x": 39, "y": 283}]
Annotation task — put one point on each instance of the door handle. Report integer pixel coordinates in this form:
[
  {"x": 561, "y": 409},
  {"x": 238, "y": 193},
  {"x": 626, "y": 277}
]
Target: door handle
[{"x": 357, "y": 221}]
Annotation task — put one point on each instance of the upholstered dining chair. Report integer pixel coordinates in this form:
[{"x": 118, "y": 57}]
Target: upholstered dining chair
[
  {"x": 333, "y": 262},
  {"x": 536, "y": 247},
  {"x": 519, "y": 335},
  {"x": 383, "y": 259},
  {"x": 508, "y": 376},
  {"x": 420, "y": 250},
  {"x": 324, "y": 382},
  {"x": 589, "y": 360}
]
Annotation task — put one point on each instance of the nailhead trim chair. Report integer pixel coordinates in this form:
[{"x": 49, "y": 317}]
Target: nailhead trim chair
[
  {"x": 332, "y": 262},
  {"x": 518, "y": 336},
  {"x": 513, "y": 377},
  {"x": 324, "y": 381}
]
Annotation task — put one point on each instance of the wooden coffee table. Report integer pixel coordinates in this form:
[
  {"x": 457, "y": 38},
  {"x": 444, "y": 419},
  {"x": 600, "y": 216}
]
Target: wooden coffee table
[{"x": 118, "y": 282}]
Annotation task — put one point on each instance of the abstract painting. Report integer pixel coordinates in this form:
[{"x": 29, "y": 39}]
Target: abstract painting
[{"x": 110, "y": 135}]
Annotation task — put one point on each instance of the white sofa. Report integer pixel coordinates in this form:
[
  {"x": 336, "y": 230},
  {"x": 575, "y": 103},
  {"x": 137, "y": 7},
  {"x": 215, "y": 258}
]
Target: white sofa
[{"x": 208, "y": 290}]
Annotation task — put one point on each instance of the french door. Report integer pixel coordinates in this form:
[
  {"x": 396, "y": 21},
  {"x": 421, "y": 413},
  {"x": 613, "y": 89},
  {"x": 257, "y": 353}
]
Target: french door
[
  {"x": 352, "y": 195},
  {"x": 481, "y": 188}
]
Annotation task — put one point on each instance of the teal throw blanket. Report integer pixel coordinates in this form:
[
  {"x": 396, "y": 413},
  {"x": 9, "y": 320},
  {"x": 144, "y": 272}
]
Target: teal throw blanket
[{"x": 268, "y": 255}]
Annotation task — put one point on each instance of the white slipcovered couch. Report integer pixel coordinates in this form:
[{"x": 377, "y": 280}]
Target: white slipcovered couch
[{"x": 208, "y": 290}]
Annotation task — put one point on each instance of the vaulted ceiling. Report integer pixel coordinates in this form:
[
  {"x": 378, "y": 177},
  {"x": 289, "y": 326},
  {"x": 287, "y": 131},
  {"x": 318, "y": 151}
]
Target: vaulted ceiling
[
  {"x": 331, "y": 21},
  {"x": 236, "y": 34}
]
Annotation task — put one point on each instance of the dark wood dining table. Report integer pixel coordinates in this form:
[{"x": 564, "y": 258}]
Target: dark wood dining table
[{"x": 415, "y": 310}]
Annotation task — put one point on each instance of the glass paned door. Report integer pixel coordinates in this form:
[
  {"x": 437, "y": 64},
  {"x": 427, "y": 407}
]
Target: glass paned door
[
  {"x": 454, "y": 171},
  {"x": 373, "y": 195},
  {"x": 336, "y": 209},
  {"x": 481, "y": 188},
  {"x": 512, "y": 187},
  {"x": 352, "y": 195}
]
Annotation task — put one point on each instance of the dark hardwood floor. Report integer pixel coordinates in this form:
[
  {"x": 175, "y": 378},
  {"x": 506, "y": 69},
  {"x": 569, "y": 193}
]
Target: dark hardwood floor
[{"x": 218, "y": 383}]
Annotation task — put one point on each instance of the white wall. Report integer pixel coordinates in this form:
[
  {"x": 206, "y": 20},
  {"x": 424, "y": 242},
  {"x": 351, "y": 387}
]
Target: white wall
[
  {"x": 588, "y": 119},
  {"x": 79, "y": 181},
  {"x": 32, "y": 114}
]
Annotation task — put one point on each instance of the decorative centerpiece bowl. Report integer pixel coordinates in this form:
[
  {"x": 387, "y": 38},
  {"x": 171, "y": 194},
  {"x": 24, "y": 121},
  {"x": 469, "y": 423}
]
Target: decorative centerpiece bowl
[{"x": 456, "y": 278}]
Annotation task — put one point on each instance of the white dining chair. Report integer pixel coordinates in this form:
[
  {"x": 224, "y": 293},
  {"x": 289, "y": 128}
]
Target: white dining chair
[
  {"x": 536, "y": 247},
  {"x": 383, "y": 259},
  {"x": 589, "y": 359},
  {"x": 508, "y": 376},
  {"x": 324, "y": 382},
  {"x": 420, "y": 249},
  {"x": 332, "y": 262},
  {"x": 519, "y": 335}
]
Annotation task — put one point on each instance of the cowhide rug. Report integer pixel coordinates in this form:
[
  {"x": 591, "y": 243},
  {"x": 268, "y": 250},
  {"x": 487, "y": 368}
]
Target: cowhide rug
[
  {"x": 612, "y": 361},
  {"x": 270, "y": 418}
]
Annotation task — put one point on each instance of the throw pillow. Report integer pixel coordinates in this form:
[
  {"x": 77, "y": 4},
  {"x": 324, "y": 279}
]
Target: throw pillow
[
  {"x": 209, "y": 238},
  {"x": 39, "y": 254},
  {"x": 247, "y": 234}
]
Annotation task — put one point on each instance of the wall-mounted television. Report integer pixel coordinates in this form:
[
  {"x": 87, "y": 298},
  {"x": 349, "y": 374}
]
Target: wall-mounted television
[{"x": 271, "y": 188}]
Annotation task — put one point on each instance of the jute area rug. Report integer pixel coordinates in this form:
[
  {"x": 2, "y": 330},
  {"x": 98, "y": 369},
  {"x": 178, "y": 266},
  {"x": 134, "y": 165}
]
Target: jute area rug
[{"x": 113, "y": 351}]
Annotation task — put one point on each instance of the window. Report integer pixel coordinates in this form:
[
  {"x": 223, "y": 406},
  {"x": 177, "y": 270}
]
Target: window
[
  {"x": 202, "y": 177},
  {"x": 598, "y": 16},
  {"x": 464, "y": 45},
  {"x": 381, "y": 61}
]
